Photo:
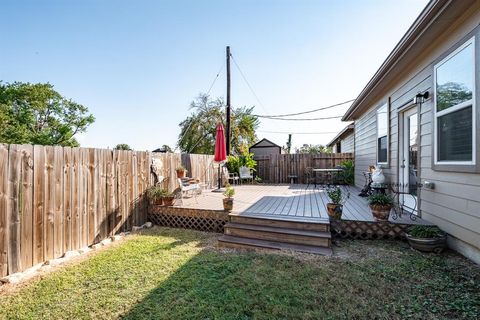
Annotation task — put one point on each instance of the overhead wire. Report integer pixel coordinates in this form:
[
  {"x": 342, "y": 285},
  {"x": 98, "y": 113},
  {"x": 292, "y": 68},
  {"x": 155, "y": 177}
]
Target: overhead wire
[
  {"x": 208, "y": 92},
  {"x": 305, "y": 112},
  {"x": 248, "y": 83},
  {"x": 293, "y": 132}
]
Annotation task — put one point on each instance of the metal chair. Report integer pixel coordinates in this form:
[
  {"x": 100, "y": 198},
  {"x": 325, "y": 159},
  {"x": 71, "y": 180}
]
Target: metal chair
[
  {"x": 309, "y": 176},
  {"x": 245, "y": 174},
  {"x": 233, "y": 177},
  {"x": 186, "y": 189}
]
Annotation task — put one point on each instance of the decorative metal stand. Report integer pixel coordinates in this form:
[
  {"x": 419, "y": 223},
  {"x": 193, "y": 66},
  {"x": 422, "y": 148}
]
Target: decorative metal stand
[
  {"x": 366, "y": 191},
  {"x": 399, "y": 209}
]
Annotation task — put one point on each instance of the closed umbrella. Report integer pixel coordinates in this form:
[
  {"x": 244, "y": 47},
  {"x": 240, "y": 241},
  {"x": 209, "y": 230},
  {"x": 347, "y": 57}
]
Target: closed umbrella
[{"x": 220, "y": 152}]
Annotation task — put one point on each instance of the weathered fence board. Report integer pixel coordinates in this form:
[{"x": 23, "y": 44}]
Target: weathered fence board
[
  {"x": 276, "y": 168},
  {"x": 3, "y": 210}
]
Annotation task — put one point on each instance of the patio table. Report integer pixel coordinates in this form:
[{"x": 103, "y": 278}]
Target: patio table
[{"x": 326, "y": 173}]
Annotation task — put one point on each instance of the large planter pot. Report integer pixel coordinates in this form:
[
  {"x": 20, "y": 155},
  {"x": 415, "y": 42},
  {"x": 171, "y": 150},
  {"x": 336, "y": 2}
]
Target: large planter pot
[
  {"x": 181, "y": 174},
  {"x": 157, "y": 202},
  {"x": 334, "y": 210},
  {"x": 228, "y": 204},
  {"x": 380, "y": 212},
  {"x": 436, "y": 244},
  {"x": 168, "y": 201}
]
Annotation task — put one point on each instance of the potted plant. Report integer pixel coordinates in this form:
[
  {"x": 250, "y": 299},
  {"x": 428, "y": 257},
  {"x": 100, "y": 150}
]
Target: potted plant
[
  {"x": 228, "y": 200},
  {"x": 181, "y": 172},
  {"x": 426, "y": 238},
  {"x": 381, "y": 204},
  {"x": 155, "y": 195},
  {"x": 168, "y": 198},
  {"x": 338, "y": 199}
]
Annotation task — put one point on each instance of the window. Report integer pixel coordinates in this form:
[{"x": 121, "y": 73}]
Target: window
[
  {"x": 382, "y": 134},
  {"x": 454, "y": 110}
]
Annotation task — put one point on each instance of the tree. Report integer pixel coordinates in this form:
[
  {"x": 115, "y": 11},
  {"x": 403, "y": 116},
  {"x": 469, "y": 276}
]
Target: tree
[
  {"x": 198, "y": 131},
  {"x": 313, "y": 149},
  {"x": 37, "y": 114},
  {"x": 123, "y": 146}
]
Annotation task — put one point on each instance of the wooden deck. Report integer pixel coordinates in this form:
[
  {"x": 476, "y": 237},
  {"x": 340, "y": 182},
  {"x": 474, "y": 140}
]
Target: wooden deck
[{"x": 287, "y": 202}]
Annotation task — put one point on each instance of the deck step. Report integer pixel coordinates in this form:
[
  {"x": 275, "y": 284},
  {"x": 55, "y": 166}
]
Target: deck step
[
  {"x": 248, "y": 243},
  {"x": 286, "y": 235},
  {"x": 314, "y": 224}
]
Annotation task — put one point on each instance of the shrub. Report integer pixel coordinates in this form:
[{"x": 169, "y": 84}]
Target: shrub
[
  {"x": 380, "y": 199},
  {"x": 156, "y": 192},
  {"x": 229, "y": 192},
  {"x": 336, "y": 195},
  {"x": 348, "y": 171},
  {"x": 425, "y": 232},
  {"x": 235, "y": 162}
]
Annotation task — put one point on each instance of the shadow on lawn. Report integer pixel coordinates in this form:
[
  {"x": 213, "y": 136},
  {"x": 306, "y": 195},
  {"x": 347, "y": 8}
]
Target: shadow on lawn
[{"x": 215, "y": 284}]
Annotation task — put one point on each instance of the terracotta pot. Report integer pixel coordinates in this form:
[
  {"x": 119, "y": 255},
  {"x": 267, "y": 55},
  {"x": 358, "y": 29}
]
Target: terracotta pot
[
  {"x": 181, "y": 174},
  {"x": 228, "y": 204},
  {"x": 380, "y": 212},
  {"x": 334, "y": 210},
  {"x": 157, "y": 201},
  {"x": 427, "y": 244},
  {"x": 168, "y": 201}
]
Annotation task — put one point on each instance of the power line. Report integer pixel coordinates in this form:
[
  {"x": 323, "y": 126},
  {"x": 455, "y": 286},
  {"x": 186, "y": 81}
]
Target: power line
[
  {"x": 248, "y": 84},
  {"x": 208, "y": 92},
  {"x": 290, "y": 132},
  {"x": 216, "y": 77},
  {"x": 301, "y": 119},
  {"x": 304, "y": 112}
]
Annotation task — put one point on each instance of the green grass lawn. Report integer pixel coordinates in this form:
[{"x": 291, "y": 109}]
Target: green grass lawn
[{"x": 179, "y": 274}]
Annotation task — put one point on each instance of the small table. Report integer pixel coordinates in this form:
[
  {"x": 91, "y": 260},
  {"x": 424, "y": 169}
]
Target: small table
[
  {"x": 328, "y": 173},
  {"x": 378, "y": 187},
  {"x": 292, "y": 178}
]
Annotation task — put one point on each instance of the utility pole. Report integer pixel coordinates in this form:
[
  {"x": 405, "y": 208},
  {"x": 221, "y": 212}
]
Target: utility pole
[
  {"x": 228, "y": 129},
  {"x": 289, "y": 143}
]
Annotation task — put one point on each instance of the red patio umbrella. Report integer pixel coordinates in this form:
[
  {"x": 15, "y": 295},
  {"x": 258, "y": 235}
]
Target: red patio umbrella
[{"x": 220, "y": 151}]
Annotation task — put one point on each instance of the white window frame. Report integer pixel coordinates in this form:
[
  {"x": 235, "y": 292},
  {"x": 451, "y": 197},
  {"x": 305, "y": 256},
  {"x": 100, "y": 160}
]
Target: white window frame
[
  {"x": 457, "y": 107},
  {"x": 386, "y": 105}
]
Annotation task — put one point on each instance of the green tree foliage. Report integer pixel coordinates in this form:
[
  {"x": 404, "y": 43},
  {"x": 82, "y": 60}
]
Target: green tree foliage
[
  {"x": 122, "y": 146},
  {"x": 313, "y": 149},
  {"x": 37, "y": 114},
  {"x": 235, "y": 162},
  {"x": 198, "y": 130}
]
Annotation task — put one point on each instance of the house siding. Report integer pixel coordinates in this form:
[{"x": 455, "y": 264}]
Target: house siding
[
  {"x": 347, "y": 143},
  {"x": 454, "y": 204}
]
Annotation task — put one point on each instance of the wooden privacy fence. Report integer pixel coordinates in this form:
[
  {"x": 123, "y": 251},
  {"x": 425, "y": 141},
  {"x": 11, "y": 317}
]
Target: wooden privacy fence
[
  {"x": 276, "y": 168},
  {"x": 199, "y": 166},
  {"x": 55, "y": 199}
]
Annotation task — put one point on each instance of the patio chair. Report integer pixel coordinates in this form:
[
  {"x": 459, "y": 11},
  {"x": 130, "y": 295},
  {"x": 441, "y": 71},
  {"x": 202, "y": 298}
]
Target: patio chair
[
  {"x": 245, "y": 174},
  {"x": 232, "y": 177},
  {"x": 188, "y": 189},
  {"x": 309, "y": 176}
]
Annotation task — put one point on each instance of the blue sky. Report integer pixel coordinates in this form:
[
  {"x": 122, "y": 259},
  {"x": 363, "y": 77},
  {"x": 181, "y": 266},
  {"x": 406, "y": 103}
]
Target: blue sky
[{"x": 138, "y": 64}]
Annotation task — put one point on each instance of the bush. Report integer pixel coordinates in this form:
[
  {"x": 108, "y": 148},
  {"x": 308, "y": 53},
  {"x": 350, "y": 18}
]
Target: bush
[
  {"x": 156, "y": 192},
  {"x": 336, "y": 196},
  {"x": 229, "y": 192},
  {"x": 425, "y": 232},
  {"x": 235, "y": 162},
  {"x": 348, "y": 171},
  {"x": 380, "y": 199}
]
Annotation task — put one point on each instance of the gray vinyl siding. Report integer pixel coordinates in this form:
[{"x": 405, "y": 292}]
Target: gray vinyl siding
[
  {"x": 454, "y": 203},
  {"x": 365, "y": 144},
  {"x": 347, "y": 143}
]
